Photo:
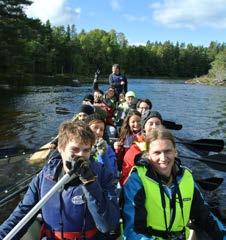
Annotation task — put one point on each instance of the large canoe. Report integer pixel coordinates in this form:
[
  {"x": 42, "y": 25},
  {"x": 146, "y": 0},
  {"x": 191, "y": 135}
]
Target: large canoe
[{"x": 34, "y": 231}]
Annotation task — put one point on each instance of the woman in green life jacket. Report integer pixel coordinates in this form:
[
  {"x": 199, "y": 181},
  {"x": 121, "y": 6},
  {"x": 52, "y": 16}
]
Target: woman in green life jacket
[{"x": 161, "y": 196}]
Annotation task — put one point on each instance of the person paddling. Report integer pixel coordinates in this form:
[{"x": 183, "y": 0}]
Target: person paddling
[
  {"x": 86, "y": 206},
  {"x": 161, "y": 196}
]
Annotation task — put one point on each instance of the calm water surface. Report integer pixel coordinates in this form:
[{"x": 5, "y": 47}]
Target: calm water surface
[{"x": 29, "y": 118}]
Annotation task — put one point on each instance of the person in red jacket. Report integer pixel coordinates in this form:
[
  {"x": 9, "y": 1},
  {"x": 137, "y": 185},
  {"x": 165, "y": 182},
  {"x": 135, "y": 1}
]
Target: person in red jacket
[{"x": 149, "y": 121}]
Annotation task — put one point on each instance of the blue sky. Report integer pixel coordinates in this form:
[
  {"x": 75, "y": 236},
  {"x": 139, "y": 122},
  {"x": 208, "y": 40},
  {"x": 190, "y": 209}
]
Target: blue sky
[{"x": 190, "y": 21}]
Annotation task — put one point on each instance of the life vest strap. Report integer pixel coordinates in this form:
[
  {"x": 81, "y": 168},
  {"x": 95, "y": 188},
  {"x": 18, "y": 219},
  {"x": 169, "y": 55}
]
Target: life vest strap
[
  {"x": 164, "y": 234},
  {"x": 57, "y": 235}
]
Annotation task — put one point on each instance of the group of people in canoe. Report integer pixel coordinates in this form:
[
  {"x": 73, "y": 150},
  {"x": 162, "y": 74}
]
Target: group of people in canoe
[{"x": 158, "y": 196}]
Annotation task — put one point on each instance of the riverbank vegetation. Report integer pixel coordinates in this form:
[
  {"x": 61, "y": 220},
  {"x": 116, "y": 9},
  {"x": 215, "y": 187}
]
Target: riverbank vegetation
[
  {"x": 28, "y": 46},
  {"x": 217, "y": 73}
]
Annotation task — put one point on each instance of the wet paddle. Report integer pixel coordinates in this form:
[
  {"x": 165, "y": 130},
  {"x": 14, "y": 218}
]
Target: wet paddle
[
  {"x": 216, "y": 161},
  {"x": 202, "y": 146},
  {"x": 172, "y": 125},
  {"x": 210, "y": 184}
]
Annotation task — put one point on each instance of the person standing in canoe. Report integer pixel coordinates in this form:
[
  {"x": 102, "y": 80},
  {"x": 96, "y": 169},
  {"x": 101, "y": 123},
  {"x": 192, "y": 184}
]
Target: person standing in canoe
[
  {"x": 117, "y": 80},
  {"x": 86, "y": 206},
  {"x": 161, "y": 196}
]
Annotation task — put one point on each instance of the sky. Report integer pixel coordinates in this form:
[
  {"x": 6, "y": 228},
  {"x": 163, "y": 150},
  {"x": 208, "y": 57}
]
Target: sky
[{"x": 187, "y": 21}]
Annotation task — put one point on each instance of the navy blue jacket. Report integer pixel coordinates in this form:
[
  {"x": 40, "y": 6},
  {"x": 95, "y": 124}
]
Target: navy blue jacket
[
  {"x": 115, "y": 80},
  {"x": 77, "y": 206}
]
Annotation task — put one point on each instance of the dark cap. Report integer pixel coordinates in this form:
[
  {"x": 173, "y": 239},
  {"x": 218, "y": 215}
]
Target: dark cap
[
  {"x": 85, "y": 108},
  {"x": 89, "y": 98},
  {"x": 149, "y": 114}
]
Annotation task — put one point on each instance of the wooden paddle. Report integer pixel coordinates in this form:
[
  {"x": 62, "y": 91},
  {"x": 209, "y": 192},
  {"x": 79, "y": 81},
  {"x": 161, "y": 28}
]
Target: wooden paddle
[
  {"x": 41, "y": 155},
  {"x": 19, "y": 156},
  {"x": 216, "y": 161}
]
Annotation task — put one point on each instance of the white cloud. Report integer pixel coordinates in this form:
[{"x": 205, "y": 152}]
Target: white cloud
[
  {"x": 132, "y": 18},
  {"x": 115, "y": 4},
  {"x": 190, "y": 13},
  {"x": 54, "y": 10}
]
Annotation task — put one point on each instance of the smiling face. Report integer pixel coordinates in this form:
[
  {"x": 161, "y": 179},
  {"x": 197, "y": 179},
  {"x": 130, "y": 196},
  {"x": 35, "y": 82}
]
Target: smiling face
[
  {"x": 135, "y": 123},
  {"x": 152, "y": 123},
  {"x": 98, "y": 129},
  {"x": 162, "y": 156}
]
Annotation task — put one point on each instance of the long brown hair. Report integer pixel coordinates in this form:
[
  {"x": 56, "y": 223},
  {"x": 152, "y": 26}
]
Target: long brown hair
[{"x": 125, "y": 129}]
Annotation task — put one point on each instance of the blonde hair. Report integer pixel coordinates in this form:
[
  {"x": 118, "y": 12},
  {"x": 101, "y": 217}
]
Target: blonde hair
[{"x": 159, "y": 133}]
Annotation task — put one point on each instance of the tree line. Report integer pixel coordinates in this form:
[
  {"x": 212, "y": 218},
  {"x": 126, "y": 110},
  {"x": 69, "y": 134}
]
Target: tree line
[{"x": 28, "y": 46}]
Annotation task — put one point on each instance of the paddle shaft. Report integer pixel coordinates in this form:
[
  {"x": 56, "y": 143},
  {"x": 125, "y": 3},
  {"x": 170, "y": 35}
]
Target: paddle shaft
[
  {"x": 65, "y": 179},
  {"x": 217, "y": 162}
]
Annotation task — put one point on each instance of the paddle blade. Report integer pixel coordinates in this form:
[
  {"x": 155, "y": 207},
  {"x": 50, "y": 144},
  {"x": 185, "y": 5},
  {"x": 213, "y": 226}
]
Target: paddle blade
[
  {"x": 40, "y": 156},
  {"x": 210, "y": 184},
  {"x": 211, "y": 145},
  {"x": 62, "y": 110},
  {"x": 216, "y": 162},
  {"x": 203, "y": 146},
  {"x": 172, "y": 125}
]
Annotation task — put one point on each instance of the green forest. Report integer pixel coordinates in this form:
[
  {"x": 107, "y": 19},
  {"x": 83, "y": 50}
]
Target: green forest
[{"x": 27, "y": 46}]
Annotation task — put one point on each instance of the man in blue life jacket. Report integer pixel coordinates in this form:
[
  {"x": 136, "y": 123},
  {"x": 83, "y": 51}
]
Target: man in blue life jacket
[
  {"x": 86, "y": 207},
  {"x": 117, "y": 80},
  {"x": 161, "y": 197}
]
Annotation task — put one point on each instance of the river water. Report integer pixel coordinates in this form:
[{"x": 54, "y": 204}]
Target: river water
[{"x": 29, "y": 119}]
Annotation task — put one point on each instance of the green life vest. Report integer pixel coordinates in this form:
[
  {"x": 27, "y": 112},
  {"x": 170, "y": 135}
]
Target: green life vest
[{"x": 157, "y": 217}]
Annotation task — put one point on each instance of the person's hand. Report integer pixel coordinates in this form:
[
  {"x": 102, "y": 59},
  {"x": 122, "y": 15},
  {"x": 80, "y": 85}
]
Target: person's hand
[
  {"x": 101, "y": 146},
  {"x": 122, "y": 82},
  {"x": 52, "y": 146},
  {"x": 117, "y": 145},
  {"x": 82, "y": 169}
]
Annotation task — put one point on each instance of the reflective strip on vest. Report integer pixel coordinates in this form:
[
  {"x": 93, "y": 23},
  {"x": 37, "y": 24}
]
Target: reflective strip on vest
[{"x": 153, "y": 202}]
